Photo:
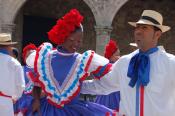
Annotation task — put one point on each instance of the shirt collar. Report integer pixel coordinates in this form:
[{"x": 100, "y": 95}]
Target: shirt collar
[{"x": 4, "y": 51}]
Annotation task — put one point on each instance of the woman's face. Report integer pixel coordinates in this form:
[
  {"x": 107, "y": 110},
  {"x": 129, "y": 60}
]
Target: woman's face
[
  {"x": 115, "y": 56},
  {"x": 73, "y": 42}
]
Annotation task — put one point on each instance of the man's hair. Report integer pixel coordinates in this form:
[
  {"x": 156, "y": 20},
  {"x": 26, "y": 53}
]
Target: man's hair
[
  {"x": 15, "y": 52},
  {"x": 4, "y": 46},
  {"x": 156, "y": 28}
]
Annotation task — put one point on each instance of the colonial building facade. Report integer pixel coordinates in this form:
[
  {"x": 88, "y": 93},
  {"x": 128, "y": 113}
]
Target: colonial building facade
[{"x": 30, "y": 20}]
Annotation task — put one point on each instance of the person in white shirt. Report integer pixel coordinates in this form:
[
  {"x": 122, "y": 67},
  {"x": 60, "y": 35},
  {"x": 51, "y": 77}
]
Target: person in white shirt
[
  {"x": 12, "y": 78},
  {"x": 145, "y": 77}
]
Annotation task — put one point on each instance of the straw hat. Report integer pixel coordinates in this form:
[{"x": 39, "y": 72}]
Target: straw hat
[
  {"x": 5, "y": 39},
  {"x": 133, "y": 44},
  {"x": 151, "y": 17}
]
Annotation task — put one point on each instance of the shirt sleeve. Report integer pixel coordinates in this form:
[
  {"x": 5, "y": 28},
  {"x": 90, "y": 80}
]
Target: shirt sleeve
[
  {"x": 19, "y": 81},
  {"x": 98, "y": 66},
  {"x": 106, "y": 85}
]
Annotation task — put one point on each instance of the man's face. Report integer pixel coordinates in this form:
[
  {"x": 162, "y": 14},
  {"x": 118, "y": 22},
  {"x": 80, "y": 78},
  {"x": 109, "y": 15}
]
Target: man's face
[{"x": 146, "y": 37}]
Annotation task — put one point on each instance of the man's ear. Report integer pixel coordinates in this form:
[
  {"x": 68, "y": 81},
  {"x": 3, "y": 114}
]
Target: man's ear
[{"x": 158, "y": 34}]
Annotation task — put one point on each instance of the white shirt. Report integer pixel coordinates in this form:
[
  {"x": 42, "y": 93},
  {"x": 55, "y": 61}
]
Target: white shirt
[
  {"x": 11, "y": 83},
  {"x": 159, "y": 94}
]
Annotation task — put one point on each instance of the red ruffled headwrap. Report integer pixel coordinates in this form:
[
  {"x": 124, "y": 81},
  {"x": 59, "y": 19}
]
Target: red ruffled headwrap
[
  {"x": 65, "y": 26},
  {"x": 110, "y": 48},
  {"x": 26, "y": 49}
]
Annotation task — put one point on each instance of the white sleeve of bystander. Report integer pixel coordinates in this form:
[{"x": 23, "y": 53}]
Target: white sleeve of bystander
[{"x": 20, "y": 82}]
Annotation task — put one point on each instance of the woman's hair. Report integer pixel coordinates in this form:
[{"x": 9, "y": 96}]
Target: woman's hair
[
  {"x": 110, "y": 49},
  {"x": 78, "y": 29}
]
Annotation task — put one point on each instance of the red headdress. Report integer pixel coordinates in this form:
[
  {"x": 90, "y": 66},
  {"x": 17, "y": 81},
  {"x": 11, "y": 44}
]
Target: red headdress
[
  {"x": 26, "y": 49},
  {"x": 65, "y": 26},
  {"x": 110, "y": 48}
]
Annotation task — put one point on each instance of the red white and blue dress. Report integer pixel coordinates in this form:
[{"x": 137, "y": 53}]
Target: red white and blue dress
[
  {"x": 60, "y": 75},
  {"x": 111, "y": 101},
  {"x": 25, "y": 101}
]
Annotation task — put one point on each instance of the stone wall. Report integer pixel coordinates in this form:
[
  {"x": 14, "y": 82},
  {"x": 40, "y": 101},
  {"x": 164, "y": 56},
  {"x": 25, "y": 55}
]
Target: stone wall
[
  {"x": 132, "y": 10},
  {"x": 97, "y": 13},
  {"x": 56, "y": 9}
]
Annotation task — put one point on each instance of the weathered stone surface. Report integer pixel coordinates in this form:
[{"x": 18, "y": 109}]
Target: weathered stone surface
[
  {"x": 132, "y": 10},
  {"x": 97, "y": 13}
]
